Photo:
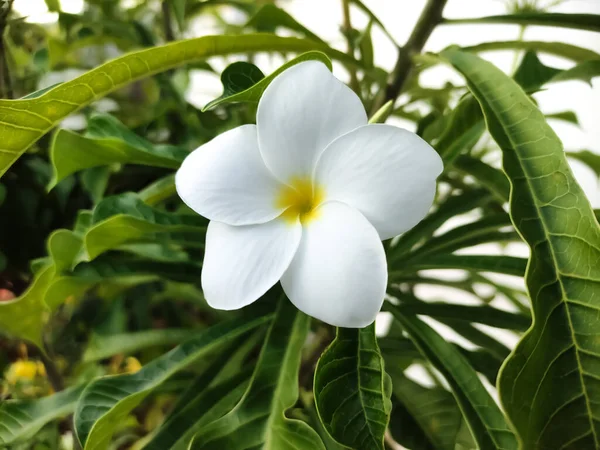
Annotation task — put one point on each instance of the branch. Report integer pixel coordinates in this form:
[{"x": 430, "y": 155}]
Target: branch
[{"x": 430, "y": 18}]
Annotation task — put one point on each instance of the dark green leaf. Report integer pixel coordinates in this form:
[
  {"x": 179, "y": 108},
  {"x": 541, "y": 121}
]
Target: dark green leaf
[
  {"x": 509, "y": 265},
  {"x": 352, "y": 391},
  {"x": 487, "y": 423},
  {"x": 270, "y": 17}
]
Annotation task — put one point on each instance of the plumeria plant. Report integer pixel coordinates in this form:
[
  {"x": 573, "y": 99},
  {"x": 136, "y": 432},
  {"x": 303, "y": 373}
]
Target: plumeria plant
[{"x": 256, "y": 272}]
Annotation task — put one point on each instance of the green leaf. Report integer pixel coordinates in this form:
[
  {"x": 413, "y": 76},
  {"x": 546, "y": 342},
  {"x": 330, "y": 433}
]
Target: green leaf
[
  {"x": 179, "y": 12},
  {"x": 25, "y": 121},
  {"x": 107, "y": 401},
  {"x": 577, "y": 21},
  {"x": 103, "y": 346},
  {"x": 565, "y": 116},
  {"x": 22, "y": 419},
  {"x": 125, "y": 218},
  {"x": 53, "y": 5},
  {"x": 483, "y": 314},
  {"x": 508, "y": 265},
  {"x": 375, "y": 19},
  {"x": 489, "y": 177},
  {"x": 107, "y": 141},
  {"x": 486, "y": 421},
  {"x": 258, "y": 421},
  {"x": 548, "y": 386},
  {"x": 160, "y": 190},
  {"x": 352, "y": 390},
  {"x": 382, "y": 113},
  {"x": 590, "y": 159},
  {"x": 270, "y": 17},
  {"x": 249, "y": 86},
  {"x": 433, "y": 411},
  {"x": 568, "y": 51}
]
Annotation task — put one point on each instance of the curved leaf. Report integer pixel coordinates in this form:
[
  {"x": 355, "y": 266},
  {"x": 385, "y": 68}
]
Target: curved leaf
[
  {"x": 352, "y": 390},
  {"x": 251, "y": 87},
  {"x": 258, "y": 421},
  {"x": 106, "y": 401},
  {"x": 549, "y": 385},
  {"x": 107, "y": 141},
  {"x": 23, "y": 122},
  {"x": 269, "y": 17},
  {"x": 22, "y": 419},
  {"x": 509, "y": 265},
  {"x": 568, "y": 51},
  {"x": 486, "y": 422}
]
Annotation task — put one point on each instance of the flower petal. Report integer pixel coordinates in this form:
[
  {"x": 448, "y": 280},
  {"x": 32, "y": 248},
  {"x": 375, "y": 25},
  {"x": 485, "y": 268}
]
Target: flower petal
[
  {"x": 387, "y": 173},
  {"x": 242, "y": 263},
  {"x": 226, "y": 180},
  {"x": 339, "y": 273},
  {"x": 300, "y": 113}
]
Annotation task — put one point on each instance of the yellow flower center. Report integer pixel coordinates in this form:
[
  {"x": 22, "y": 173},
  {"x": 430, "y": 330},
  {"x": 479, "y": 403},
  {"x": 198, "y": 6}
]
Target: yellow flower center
[{"x": 300, "y": 198}]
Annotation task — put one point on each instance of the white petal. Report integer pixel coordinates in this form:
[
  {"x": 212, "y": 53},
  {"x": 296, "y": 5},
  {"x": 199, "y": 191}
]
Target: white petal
[
  {"x": 242, "y": 263},
  {"x": 387, "y": 173},
  {"x": 339, "y": 273},
  {"x": 300, "y": 113},
  {"x": 226, "y": 180}
]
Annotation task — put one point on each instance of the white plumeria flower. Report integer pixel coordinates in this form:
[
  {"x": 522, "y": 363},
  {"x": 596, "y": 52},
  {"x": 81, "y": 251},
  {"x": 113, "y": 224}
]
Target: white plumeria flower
[{"x": 306, "y": 196}]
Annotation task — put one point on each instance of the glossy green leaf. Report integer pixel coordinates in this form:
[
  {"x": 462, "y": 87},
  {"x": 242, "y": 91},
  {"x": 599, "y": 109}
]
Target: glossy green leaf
[
  {"x": 269, "y": 17},
  {"x": 22, "y": 419},
  {"x": 548, "y": 386},
  {"x": 258, "y": 421},
  {"x": 103, "y": 346},
  {"x": 107, "y": 141},
  {"x": 486, "y": 422},
  {"x": 107, "y": 401},
  {"x": 577, "y": 21},
  {"x": 352, "y": 390},
  {"x": 251, "y": 88},
  {"x": 568, "y": 51},
  {"x": 25, "y": 121}
]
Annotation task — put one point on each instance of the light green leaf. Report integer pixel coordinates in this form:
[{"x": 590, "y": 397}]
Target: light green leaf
[
  {"x": 565, "y": 116},
  {"x": 382, "y": 113},
  {"x": 270, "y": 17},
  {"x": 251, "y": 87},
  {"x": 179, "y": 12},
  {"x": 103, "y": 346},
  {"x": 107, "y": 141},
  {"x": 27, "y": 120},
  {"x": 548, "y": 386},
  {"x": 352, "y": 390},
  {"x": 486, "y": 422},
  {"x": 577, "y": 21},
  {"x": 568, "y": 51},
  {"x": 258, "y": 421},
  {"x": 160, "y": 190},
  {"x": 22, "y": 419},
  {"x": 107, "y": 401}
]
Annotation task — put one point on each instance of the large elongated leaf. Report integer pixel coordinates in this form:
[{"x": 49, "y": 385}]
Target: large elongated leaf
[
  {"x": 106, "y": 401},
  {"x": 107, "y": 141},
  {"x": 549, "y": 385},
  {"x": 568, "y": 51},
  {"x": 486, "y": 422},
  {"x": 509, "y": 265},
  {"x": 23, "y": 122},
  {"x": 578, "y": 21},
  {"x": 352, "y": 390},
  {"x": 22, "y": 419},
  {"x": 258, "y": 421}
]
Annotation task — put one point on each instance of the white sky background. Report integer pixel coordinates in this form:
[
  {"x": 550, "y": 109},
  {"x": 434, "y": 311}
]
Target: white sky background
[{"x": 324, "y": 18}]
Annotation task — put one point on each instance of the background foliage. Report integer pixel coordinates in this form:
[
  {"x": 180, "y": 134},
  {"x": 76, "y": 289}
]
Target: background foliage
[{"x": 100, "y": 260}]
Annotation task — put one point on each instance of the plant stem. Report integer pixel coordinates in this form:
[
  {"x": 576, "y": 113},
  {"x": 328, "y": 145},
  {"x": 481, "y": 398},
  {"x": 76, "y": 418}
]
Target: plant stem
[
  {"x": 6, "y": 88},
  {"x": 167, "y": 21},
  {"x": 347, "y": 26},
  {"x": 429, "y": 19}
]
